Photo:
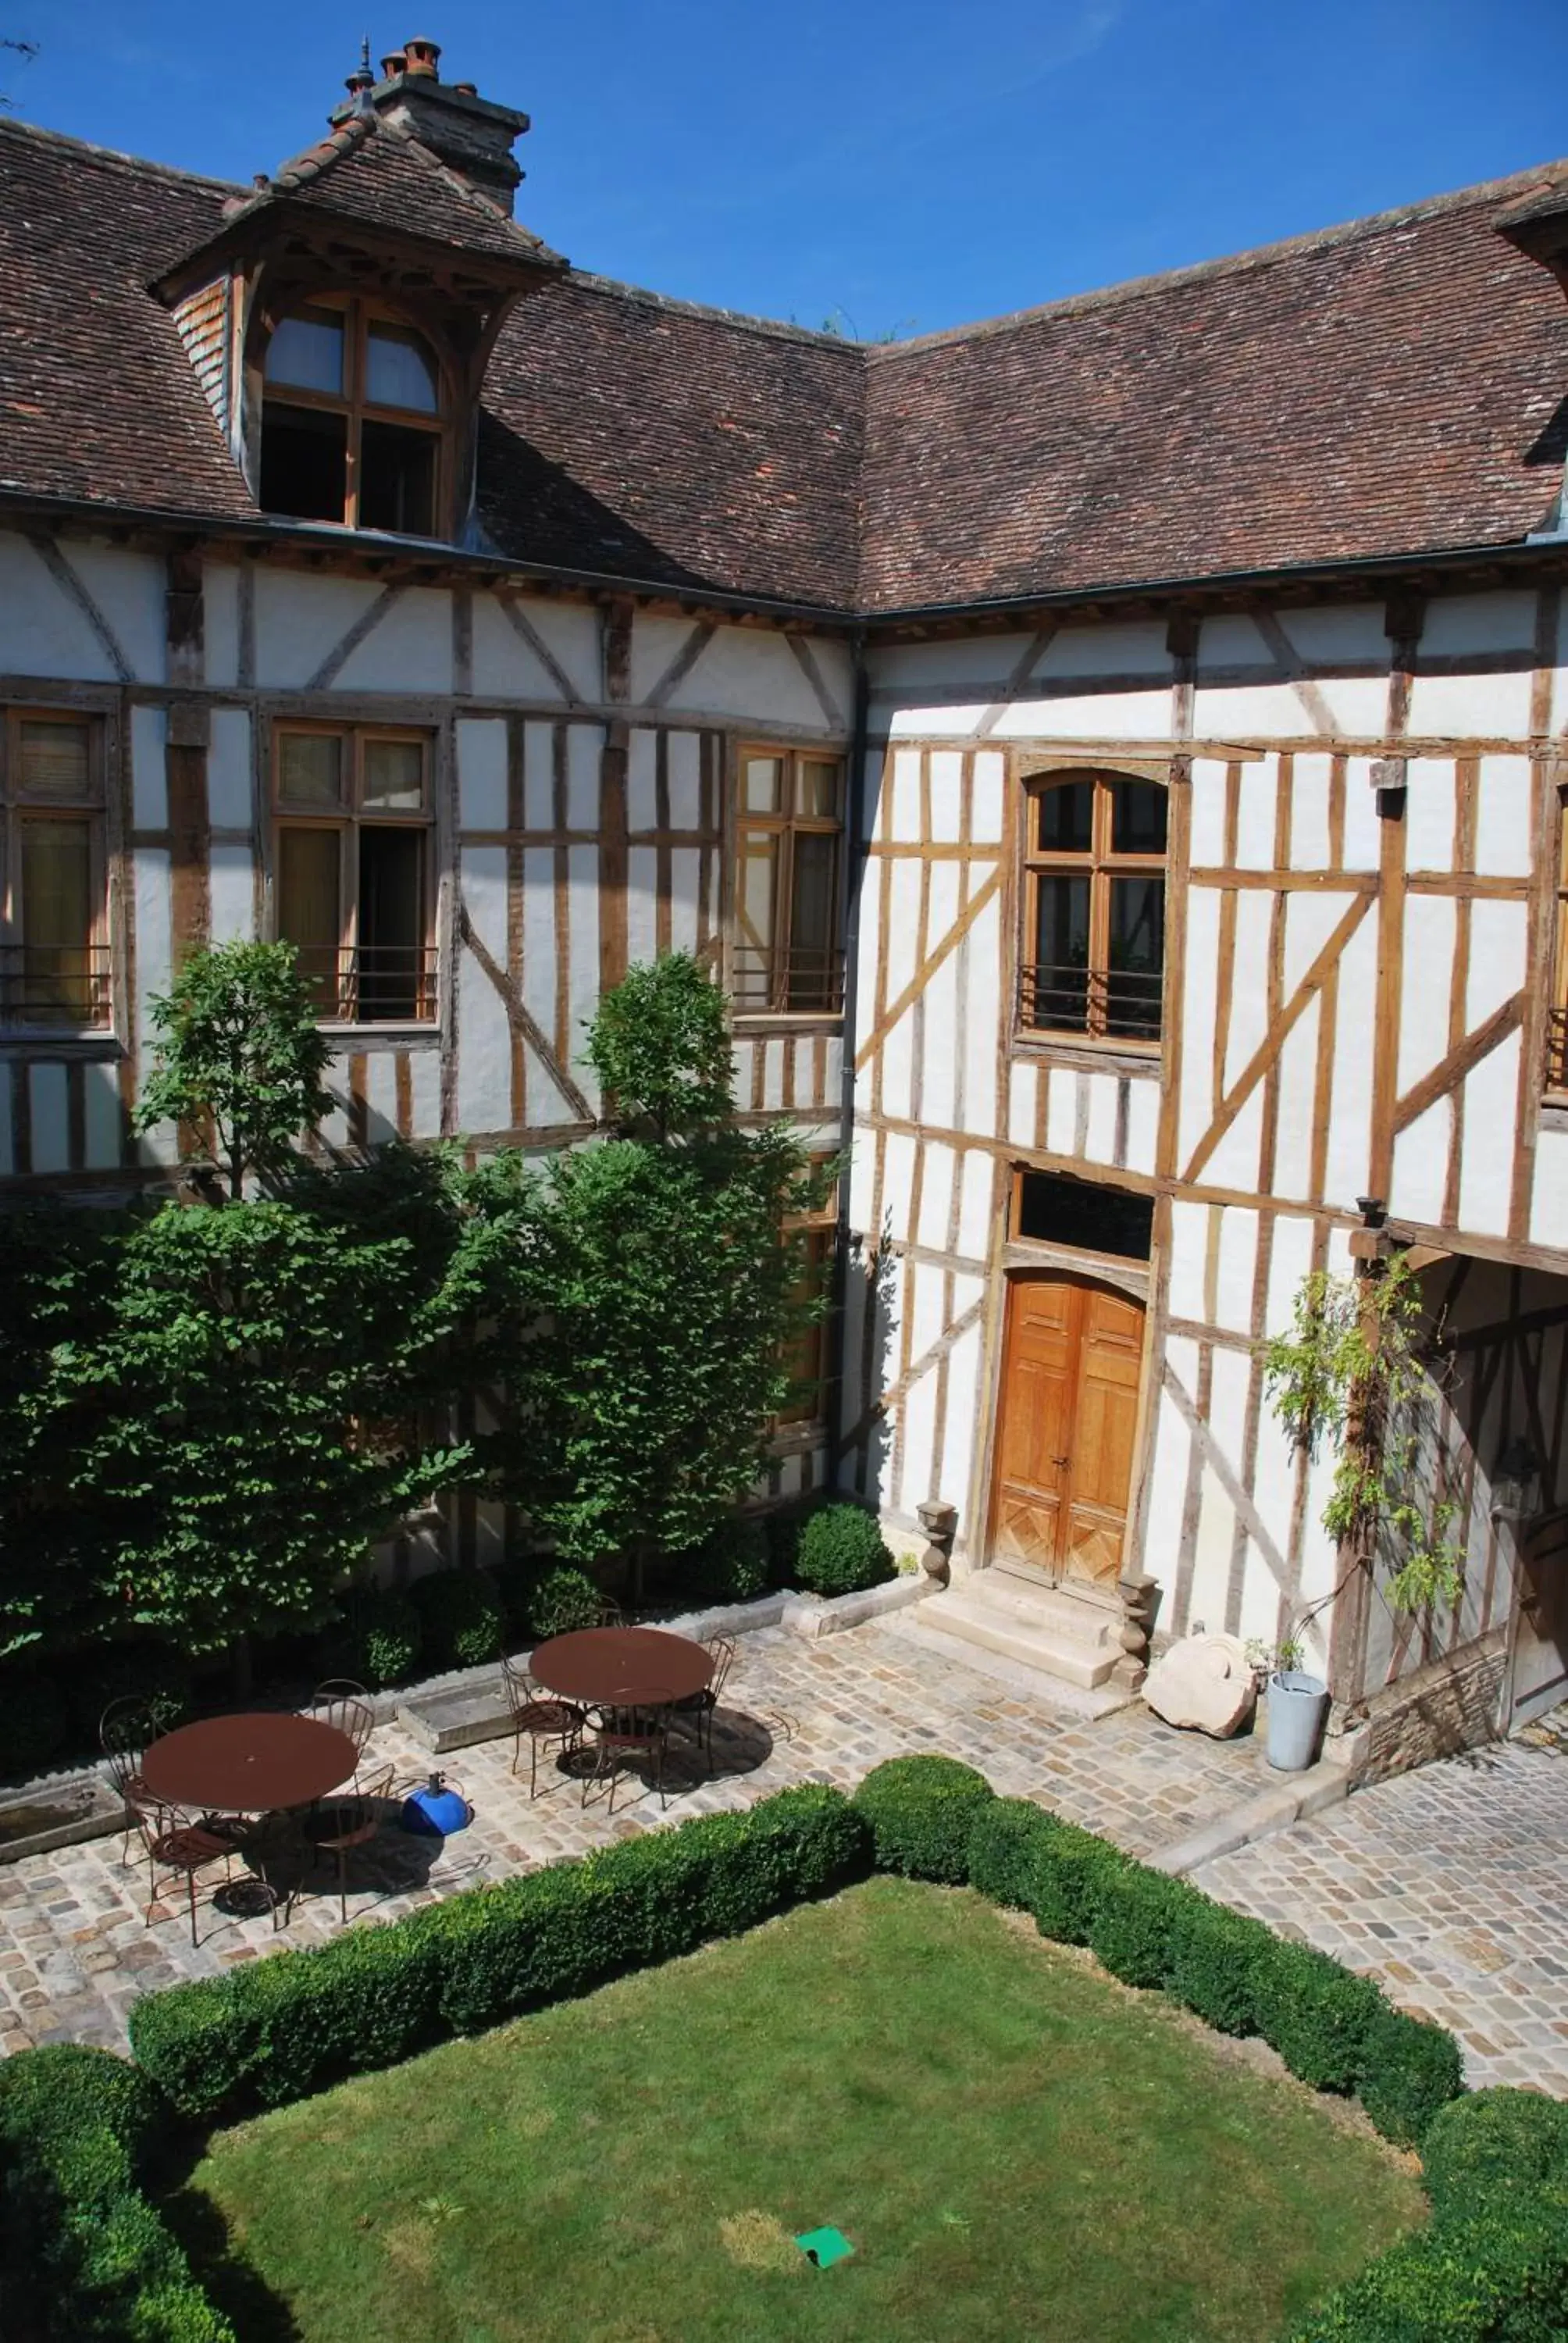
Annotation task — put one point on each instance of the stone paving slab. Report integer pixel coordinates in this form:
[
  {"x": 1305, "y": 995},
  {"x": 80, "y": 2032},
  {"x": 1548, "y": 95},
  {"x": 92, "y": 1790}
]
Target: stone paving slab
[{"x": 1451, "y": 1885}]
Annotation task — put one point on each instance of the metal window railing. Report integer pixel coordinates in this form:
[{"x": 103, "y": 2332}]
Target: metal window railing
[
  {"x": 372, "y": 984},
  {"x": 805, "y": 982},
  {"x": 1557, "y": 1049},
  {"x": 54, "y": 985},
  {"x": 1116, "y": 1003}
]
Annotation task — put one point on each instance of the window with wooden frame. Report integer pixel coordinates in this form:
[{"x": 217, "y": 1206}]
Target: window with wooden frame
[
  {"x": 788, "y": 956},
  {"x": 1557, "y": 1015},
  {"x": 353, "y": 877},
  {"x": 355, "y": 426},
  {"x": 54, "y": 939},
  {"x": 807, "y": 1358},
  {"x": 1092, "y": 965}
]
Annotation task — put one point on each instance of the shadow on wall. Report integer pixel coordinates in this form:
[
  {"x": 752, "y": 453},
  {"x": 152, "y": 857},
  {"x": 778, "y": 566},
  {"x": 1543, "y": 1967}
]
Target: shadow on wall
[{"x": 865, "y": 1436}]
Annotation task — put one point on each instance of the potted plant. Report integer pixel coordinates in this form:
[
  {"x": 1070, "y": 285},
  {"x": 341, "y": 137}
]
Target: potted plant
[{"x": 1298, "y": 1703}]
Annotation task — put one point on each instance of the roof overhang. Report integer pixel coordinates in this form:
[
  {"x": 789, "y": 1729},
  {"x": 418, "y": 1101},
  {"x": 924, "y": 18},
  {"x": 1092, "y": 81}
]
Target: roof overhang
[{"x": 312, "y": 236}]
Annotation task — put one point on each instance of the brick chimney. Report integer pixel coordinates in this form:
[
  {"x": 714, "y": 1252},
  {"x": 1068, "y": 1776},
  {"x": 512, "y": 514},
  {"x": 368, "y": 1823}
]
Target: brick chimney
[{"x": 470, "y": 134}]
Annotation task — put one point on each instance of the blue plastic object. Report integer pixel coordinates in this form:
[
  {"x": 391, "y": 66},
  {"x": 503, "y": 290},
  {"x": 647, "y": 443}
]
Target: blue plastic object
[{"x": 435, "y": 1811}]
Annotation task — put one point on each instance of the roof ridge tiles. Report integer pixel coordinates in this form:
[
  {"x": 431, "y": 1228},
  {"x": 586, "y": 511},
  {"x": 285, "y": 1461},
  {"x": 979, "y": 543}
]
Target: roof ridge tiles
[
  {"x": 142, "y": 164},
  {"x": 616, "y": 288},
  {"x": 313, "y": 164},
  {"x": 1254, "y": 256}
]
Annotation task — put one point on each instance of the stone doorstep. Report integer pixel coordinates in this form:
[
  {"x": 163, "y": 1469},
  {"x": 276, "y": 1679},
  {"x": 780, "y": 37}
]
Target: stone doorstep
[
  {"x": 1291, "y": 1798},
  {"x": 1056, "y": 1634}
]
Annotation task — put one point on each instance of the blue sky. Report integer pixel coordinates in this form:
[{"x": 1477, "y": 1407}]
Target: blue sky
[{"x": 903, "y": 164}]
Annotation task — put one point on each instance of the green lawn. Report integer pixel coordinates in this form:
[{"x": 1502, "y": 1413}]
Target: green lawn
[{"x": 1017, "y": 2148}]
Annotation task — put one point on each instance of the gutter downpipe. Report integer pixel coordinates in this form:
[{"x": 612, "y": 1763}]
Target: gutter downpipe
[{"x": 857, "y": 833}]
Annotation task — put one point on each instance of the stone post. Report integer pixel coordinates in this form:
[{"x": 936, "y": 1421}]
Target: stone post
[
  {"x": 940, "y": 1522},
  {"x": 1140, "y": 1603}
]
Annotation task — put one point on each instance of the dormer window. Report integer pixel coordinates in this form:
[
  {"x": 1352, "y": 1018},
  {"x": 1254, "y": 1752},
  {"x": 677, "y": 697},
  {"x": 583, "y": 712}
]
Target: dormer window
[{"x": 353, "y": 429}]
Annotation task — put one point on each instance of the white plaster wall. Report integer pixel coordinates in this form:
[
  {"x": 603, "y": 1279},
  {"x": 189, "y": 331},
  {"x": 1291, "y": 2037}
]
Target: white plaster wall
[
  {"x": 229, "y": 777},
  {"x": 481, "y": 744},
  {"x": 409, "y": 648},
  {"x": 220, "y": 622},
  {"x": 101, "y": 1115},
  {"x": 46, "y": 632},
  {"x": 150, "y": 775},
  {"x": 129, "y": 590},
  {"x": 299, "y": 617},
  {"x": 506, "y": 666},
  {"x": 232, "y": 882}
]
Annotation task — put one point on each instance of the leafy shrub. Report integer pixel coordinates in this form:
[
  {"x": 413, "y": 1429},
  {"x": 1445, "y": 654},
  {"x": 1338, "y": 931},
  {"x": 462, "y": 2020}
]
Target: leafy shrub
[
  {"x": 460, "y": 1618},
  {"x": 1133, "y": 1929},
  {"x": 1214, "y": 1954},
  {"x": 32, "y": 1723},
  {"x": 274, "y": 2030},
  {"x": 146, "y": 1672},
  {"x": 922, "y": 1812},
  {"x": 731, "y": 1565},
  {"x": 560, "y": 1600},
  {"x": 840, "y": 1551},
  {"x": 1500, "y": 2277},
  {"x": 87, "y": 2255},
  {"x": 1075, "y": 1868},
  {"x": 1493, "y": 2144},
  {"x": 388, "y": 1636},
  {"x": 1410, "y": 2072},
  {"x": 1007, "y": 1844},
  {"x": 1316, "y": 2015}
]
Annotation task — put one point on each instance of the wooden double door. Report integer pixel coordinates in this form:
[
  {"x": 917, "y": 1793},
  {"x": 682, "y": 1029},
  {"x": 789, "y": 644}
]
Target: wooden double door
[{"x": 1070, "y": 1362}]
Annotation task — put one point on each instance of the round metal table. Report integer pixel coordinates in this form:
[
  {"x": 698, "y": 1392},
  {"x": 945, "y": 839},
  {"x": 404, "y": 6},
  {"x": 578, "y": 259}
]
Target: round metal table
[
  {"x": 619, "y": 1667},
  {"x": 248, "y": 1764}
]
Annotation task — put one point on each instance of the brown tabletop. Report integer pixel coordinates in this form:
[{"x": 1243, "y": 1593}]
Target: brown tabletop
[
  {"x": 248, "y": 1764},
  {"x": 619, "y": 1667}
]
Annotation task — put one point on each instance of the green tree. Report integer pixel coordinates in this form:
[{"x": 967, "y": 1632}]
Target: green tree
[
  {"x": 649, "y": 1287},
  {"x": 239, "y": 1053}
]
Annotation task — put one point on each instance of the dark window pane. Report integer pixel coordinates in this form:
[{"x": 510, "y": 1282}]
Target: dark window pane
[
  {"x": 1066, "y": 819},
  {"x": 1056, "y": 989},
  {"x": 391, "y": 923},
  {"x": 304, "y": 462},
  {"x": 398, "y": 480},
  {"x": 1057, "y": 1210},
  {"x": 1137, "y": 818},
  {"x": 1137, "y": 957},
  {"x": 813, "y": 923}
]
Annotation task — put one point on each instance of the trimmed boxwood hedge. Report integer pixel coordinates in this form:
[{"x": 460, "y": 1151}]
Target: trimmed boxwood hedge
[
  {"x": 1494, "y": 2144},
  {"x": 1501, "y": 2276},
  {"x": 922, "y": 1813}
]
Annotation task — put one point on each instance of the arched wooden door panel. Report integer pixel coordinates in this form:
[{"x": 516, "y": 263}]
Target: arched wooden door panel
[{"x": 1069, "y": 1411}]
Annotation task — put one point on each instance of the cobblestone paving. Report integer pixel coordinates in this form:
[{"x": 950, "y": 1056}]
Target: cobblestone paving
[
  {"x": 1450, "y": 1884},
  {"x": 74, "y": 1951}
]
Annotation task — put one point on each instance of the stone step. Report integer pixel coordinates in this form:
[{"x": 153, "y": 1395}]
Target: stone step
[
  {"x": 1054, "y": 1632},
  {"x": 1072, "y": 1702}
]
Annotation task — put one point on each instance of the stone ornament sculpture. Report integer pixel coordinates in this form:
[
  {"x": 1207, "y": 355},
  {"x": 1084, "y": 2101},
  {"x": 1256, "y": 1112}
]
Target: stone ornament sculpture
[{"x": 1206, "y": 1683}]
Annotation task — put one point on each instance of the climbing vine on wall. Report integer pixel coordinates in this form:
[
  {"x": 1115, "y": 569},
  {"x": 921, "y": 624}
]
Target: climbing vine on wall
[{"x": 1355, "y": 1371}]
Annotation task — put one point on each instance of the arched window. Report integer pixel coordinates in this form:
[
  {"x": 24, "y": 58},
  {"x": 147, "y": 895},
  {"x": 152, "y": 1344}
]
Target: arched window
[
  {"x": 352, "y": 424},
  {"x": 1094, "y": 960}
]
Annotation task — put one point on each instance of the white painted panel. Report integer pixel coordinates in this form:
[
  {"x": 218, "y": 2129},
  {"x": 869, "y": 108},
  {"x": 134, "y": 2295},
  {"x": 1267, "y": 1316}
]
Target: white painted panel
[
  {"x": 983, "y": 951},
  {"x": 585, "y": 749},
  {"x": 229, "y": 800},
  {"x": 150, "y": 866},
  {"x": 539, "y": 985},
  {"x": 482, "y": 773},
  {"x": 1189, "y": 1253},
  {"x": 1234, "y": 1162},
  {"x": 220, "y": 623},
  {"x": 641, "y": 903},
  {"x": 1549, "y": 1202},
  {"x": 1062, "y": 1110},
  {"x": 946, "y": 794},
  {"x": 1231, "y": 640},
  {"x": 1310, "y": 920},
  {"x": 539, "y": 776},
  {"x": 642, "y": 780},
  {"x": 918, "y": 1411},
  {"x": 1249, "y": 984},
  {"x": 862, "y": 1172},
  {"x": 966, "y": 659},
  {"x": 986, "y": 797},
  {"x": 1096, "y": 716},
  {"x": 1197, "y": 1075},
  {"x": 1298, "y": 1082},
  {"x": 943, "y": 1040},
  {"x": 872, "y": 776},
  {"x": 1142, "y": 1125},
  {"x": 936, "y": 1195},
  {"x": 484, "y": 1045},
  {"x": 129, "y": 590},
  {"x": 942, "y": 902},
  {"x": 833, "y": 1075},
  {"x": 45, "y": 631},
  {"x": 1429, "y": 814},
  {"x": 101, "y": 1116},
  {"x": 1309, "y": 812},
  {"x": 1290, "y": 1259},
  {"x": 484, "y": 897},
  {"x": 898, "y": 1175},
  {"x": 299, "y": 618},
  {"x": 1486, "y": 1168},
  {"x": 1350, "y": 1113},
  {"x": 1238, "y": 1268},
  {"x": 748, "y": 673},
  {"x": 1255, "y": 815},
  {"x": 1459, "y": 706},
  {"x": 1357, "y": 704},
  {"x": 424, "y": 1093},
  {"x": 1421, "y": 1165},
  {"x": 1021, "y": 1103},
  {"x": 897, "y": 1066},
  {"x": 582, "y": 987},
  {"x": 232, "y": 893},
  {"x": 1456, "y": 624},
  {"x": 866, "y": 982},
  {"x": 976, "y": 1204},
  {"x": 684, "y": 889},
  {"x": 1246, "y": 711},
  {"x": 1207, "y": 841},
  {"x": 571, "y": 634},
  {"x": 409, "y": 650},
  {"x": 1099, "y": 1144},
  {"x": 904, "y": 806},
  {"x": 1167, "y": 1490},
  {"x": 1136, "y": 647},
  {"x": 1502, "y": 818},
  {"x": 928, "y": 1319},
  {"x": 1363, "y": 824},
  {"x": 381, "y": 1095},
  {"x": 742, "y": 1057},
  {"x": 504, "y": 668},
  {"x": 1429, "y": 933},
  {"x": 655, "y": 643},
  {"x": 957, "y": 1448},
  {"x": 48, "y": 1092},
  {"x": 1499, "y": 935},
  {"x": 1327, "y": 635},
  {"x": 683, "y": 774},
  {"x": 149, "y": 771}
]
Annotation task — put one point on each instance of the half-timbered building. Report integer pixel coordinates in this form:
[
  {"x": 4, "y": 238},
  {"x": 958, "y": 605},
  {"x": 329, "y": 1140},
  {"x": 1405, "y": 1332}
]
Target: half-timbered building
[{"x": 1113, "y": 757}]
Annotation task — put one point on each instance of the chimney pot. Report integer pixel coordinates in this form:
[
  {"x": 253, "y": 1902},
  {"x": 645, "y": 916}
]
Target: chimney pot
[
  {"x": 467, "y": 89},
  {"x": 393, "y": 65},
  {"x": 423, "y": 56}
]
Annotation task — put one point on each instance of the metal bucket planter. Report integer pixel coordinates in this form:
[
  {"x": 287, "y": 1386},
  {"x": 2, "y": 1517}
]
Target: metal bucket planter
[{"x": 1298, "y": 1706}]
